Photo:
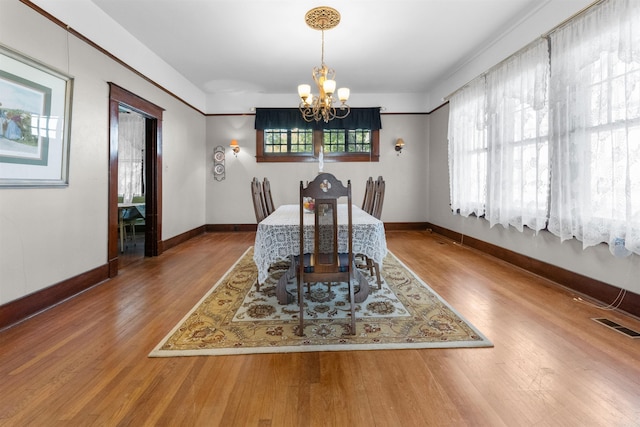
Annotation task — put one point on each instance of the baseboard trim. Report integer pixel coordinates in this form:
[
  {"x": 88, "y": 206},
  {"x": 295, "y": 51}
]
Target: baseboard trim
[
  {"x": 213, "y": 228},
  {"x": 584, "y": 285},
  {"x": 181, "y": 238},
  {"x": 405, "y": 226},
  {"x": 28, "y": 306}
]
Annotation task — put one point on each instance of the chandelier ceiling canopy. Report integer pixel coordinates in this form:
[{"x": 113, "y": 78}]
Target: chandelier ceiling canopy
[{"x": 320, "y": 107}]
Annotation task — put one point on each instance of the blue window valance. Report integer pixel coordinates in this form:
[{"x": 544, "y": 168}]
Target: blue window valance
[{"x": 291, "y": 118}]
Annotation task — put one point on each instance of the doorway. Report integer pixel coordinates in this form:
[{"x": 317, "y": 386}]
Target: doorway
[
  {"x": 131, "y": 185},
  {"x": 119, "y": 100}
]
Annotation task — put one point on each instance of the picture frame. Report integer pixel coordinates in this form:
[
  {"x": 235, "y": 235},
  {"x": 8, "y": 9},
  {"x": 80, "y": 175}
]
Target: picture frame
[{"x": 35, "y": 120}]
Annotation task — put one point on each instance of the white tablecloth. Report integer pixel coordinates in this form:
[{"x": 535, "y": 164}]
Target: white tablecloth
[{"x": 278, "y": 236}]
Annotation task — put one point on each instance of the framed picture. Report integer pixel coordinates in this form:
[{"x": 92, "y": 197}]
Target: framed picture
[{"x": 35, "y": 118}]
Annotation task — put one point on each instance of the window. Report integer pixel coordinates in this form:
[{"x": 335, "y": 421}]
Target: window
[
  {"x": 288, "y": 141},
  {"x": 131, "y": 144},
  {"x": 562, "y": 125},
  {"x": 612, "y": 122},
  {"x": 595, "y": 128},
  {"x": 347, "y": 141},
  {"x": 283, "y": 136},
  {"x": 468, "y": 150},
  {"x": 498, "y": 136}
]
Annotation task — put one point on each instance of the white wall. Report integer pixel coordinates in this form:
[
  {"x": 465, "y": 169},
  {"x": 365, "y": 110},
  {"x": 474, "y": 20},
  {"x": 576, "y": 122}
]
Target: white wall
[
  {"x": 596, "y": 262},
  {"x": 92, "y": 22},
  {"x": 229, "y": 201},
  {"x": 51, "y": 234},
  {"x": 547, "y": 16}
]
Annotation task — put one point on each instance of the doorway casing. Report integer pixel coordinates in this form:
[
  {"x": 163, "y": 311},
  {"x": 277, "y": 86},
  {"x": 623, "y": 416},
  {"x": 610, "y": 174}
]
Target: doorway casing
[{"x": 153, "y": 159}]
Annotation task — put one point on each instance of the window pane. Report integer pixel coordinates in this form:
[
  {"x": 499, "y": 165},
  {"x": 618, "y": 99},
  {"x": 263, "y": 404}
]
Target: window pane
[
  {"x": 334, "y": 141},
  {"x": 288, "y": 141},
  {"x": 347, "y": 141},
  {"x": 301, "y": 141}
]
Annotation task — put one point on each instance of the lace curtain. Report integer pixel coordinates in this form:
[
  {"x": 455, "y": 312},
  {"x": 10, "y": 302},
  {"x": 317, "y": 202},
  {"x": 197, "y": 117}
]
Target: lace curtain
[
  {"x": 130, "y": 156},
  {"x": 595, "y": 128},
  {"x": 517, "y": 139},
  {"x": 468, "y": 149},
  {"x": 498, "y": 142}
]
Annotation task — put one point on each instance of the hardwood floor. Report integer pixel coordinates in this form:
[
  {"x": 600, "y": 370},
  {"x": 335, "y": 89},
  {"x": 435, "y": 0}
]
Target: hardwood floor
[
  {"x": 133, "y": 250},
  {"x": 84, "y": 362}
]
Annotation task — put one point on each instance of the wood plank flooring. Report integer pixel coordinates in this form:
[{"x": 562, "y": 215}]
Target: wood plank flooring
[{"x": 84, "y": 362}]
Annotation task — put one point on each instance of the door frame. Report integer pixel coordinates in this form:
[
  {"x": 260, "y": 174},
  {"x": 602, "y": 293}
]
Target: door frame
[{"x": 153, "y": 186}]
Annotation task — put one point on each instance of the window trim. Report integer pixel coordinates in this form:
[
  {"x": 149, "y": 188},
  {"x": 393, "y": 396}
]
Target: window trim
[{"x": 373, "y": 156}]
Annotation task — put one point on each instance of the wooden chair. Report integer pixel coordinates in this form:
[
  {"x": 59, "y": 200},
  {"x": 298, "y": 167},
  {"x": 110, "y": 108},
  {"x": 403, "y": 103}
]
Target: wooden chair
[
  {"x": 257, "y": 195},
  {"x": 367, "y": 203},
  {"x": 259, "y": 206},
  {"x": 268, "y": 199},
  {"x": 378, "y": 198},
  {"x": 372, "y": 204},
  {"x": 324, "y": 263}
]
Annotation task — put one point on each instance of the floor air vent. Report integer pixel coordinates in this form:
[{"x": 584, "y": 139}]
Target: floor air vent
[{"x": 617, "y": 327}]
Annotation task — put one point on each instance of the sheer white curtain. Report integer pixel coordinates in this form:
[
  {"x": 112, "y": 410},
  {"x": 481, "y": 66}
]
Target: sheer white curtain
[
  {"x": 498, "y": 142},
  {"x": 595, "y": 128},
  {"x": 468, "y": 149},
  {"x": 130, "y": 155},
  {"x": 517, "y": 138}
]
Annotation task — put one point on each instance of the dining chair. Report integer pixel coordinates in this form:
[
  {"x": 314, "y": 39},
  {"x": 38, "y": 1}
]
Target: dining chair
[
  {"x": 378, "y": 197},
  {"x": 268, "y": 199},
  {"x": 127, "y": 217},
  {"x": 325, "y": 263},
  {"x": 258, "y": 200},
  {"x": 139, "y": 220},
  {"x": 372, "y": 204},
  {"x": 367, "y": 203},
  {"x": 122, "y": 229}
]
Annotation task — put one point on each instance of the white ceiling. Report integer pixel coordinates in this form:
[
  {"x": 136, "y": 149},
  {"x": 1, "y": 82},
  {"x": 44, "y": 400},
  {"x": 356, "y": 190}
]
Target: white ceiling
[
  {"x": 380, "y": 46},
  {"x": 240, "y": 48}
]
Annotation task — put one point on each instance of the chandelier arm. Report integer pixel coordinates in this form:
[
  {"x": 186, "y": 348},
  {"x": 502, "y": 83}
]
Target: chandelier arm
[{"x": 344, "y": 108}]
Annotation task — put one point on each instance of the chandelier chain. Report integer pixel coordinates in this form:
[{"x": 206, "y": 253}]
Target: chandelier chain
[{"x": 322, "y": 54}]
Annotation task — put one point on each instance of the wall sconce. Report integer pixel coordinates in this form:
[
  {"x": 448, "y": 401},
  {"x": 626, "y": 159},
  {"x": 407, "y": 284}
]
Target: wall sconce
[
  {"x": 399, "y": 145},
  {"x": 235, "y": 147}
]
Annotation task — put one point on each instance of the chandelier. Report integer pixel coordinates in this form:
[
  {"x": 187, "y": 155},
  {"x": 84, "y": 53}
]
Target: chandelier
[{"x": 321, "y": 107}]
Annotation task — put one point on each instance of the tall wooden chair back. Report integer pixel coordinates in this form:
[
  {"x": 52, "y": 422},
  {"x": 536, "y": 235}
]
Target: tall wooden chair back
[
  {"x": 258, "y": 200},
  {"x": 268, "y": 199},
  {"x": 369, "y": 189},
  {"x": 378, "y": 198},
  {"x": 325, "y": 261}
]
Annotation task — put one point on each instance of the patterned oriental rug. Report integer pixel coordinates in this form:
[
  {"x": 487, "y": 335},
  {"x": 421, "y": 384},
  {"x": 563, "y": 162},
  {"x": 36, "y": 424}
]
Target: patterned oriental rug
[{"x": 235, "y": 318}]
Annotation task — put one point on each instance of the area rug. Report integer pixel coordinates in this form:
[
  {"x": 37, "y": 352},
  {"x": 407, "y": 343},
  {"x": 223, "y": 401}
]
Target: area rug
[{"x": 234, "y": 317}]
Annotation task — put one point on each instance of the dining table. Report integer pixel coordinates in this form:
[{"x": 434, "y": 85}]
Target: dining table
[{"x": 278, "y": 239}]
